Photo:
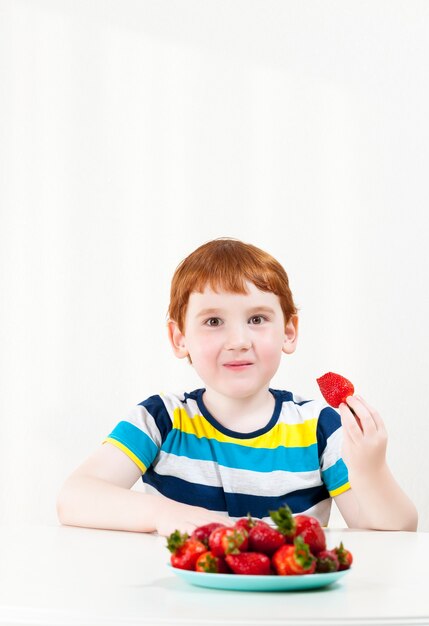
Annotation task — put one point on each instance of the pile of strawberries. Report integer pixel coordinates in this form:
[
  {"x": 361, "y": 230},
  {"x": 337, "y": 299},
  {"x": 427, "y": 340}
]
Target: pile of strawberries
[{"x": 296, "y": 546}]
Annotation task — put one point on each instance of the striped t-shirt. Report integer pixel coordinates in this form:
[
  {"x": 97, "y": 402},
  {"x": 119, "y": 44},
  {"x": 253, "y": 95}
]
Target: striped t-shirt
[{"x": 185, "y": 454}]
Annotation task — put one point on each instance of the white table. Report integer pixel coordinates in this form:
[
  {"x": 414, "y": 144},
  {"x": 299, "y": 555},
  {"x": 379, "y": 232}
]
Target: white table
[{"x": 65, "y": 576}]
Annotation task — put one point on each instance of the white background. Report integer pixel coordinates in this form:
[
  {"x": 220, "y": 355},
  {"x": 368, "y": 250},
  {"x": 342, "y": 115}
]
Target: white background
[{"x": 133, "y": 131}]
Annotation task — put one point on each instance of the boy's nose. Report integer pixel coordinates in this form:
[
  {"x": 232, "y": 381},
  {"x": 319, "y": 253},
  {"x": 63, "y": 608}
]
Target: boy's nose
[{"x": 238, "y": 339}]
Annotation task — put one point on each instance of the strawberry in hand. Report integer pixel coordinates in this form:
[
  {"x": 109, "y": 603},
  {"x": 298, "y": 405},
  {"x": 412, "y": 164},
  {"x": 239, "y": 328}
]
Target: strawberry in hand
[
  {"x": 184, "y": 550},
  {"x": 294, "y": 560},
  {"x": 335, "y": 388}
]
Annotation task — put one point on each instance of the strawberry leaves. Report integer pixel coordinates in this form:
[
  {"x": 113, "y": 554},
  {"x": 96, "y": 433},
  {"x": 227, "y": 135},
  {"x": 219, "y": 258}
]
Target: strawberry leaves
[
  {"x": 176, "y": 540},
  {"x": 284, "y": 520}
]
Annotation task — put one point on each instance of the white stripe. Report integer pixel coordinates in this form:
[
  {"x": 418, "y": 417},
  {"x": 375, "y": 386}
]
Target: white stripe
[
  {"x": 292, "y": 413},
  {"x": 321, "y": 511},
  {"x": 144, "y": 421},
  {"x": 234, "y": 480},
  {"x": 333, "y": 449},
  {"x": 174, "y": 401}
]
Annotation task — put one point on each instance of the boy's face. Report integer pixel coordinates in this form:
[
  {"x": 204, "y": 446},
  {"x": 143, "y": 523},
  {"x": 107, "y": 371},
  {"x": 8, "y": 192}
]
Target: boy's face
[{"x": 235, "y": 341}]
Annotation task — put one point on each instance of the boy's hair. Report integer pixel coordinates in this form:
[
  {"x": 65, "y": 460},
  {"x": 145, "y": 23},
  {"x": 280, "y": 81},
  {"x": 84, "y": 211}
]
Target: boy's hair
[{"x": 227, "y": 264}]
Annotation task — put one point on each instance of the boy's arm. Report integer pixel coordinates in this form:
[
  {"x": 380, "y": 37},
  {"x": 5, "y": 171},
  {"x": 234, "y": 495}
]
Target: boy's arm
[
  {"x": 98, "y": 495},
  {"x": 375, "y": 499}
]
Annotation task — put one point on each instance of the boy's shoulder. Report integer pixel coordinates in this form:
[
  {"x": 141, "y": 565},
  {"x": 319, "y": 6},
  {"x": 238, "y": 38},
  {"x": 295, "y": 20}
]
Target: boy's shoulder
[
  {"x": 171, "y": 400},
  {"x": 157, "y": 413},
  {"x": 303, "y": 408},
  {"x": 285, "y": 396}
]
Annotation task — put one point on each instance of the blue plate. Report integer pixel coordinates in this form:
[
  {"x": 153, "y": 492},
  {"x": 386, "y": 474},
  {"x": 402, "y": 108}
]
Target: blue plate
[{"x": 236, "y": 582}]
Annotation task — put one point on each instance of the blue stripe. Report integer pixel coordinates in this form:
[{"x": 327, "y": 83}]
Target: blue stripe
[
  {"x": 329, "y": 421},
  {"x": 242, "y": 457},
  {"x": 212, "y": 498},
  {"x": 259, "y": 506},
  {"x": 336, "y": 475},
  {"x": 135, "y": 440},
  {"x": 157, "y": 409},
  {"x": 237, "y": 505}
]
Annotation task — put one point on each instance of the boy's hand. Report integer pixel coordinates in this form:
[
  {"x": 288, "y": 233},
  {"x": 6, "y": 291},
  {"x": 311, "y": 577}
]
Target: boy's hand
[
  {"x": 173, "y": 516},
  {"x": 364, "y": 438}
]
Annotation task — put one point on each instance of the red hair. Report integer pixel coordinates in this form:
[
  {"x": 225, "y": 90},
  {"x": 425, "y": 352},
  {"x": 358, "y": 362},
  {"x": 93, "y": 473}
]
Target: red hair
[{"x": 228, "y": 264}]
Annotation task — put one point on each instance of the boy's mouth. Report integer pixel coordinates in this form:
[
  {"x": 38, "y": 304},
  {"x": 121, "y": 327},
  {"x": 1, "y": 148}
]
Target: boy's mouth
[{"x": 237, "y": 364}]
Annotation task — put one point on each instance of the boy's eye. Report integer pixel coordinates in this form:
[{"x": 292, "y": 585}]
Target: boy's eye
[
  {"x": 257, "y": 319},
  {"x": 213, "y": 321}
]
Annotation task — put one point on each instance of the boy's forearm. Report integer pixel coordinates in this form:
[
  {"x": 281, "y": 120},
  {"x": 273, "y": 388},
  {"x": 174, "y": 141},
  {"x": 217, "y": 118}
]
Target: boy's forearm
[
  {"x": 94, "y": 503},
  {"x": 383, "y": 505}
]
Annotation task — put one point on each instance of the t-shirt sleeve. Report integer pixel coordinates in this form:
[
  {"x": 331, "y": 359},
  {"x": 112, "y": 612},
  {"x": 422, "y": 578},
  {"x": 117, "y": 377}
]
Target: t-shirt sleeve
[
  {"x": 141, "y": 433},
  {"x": 329, "y": 438}
]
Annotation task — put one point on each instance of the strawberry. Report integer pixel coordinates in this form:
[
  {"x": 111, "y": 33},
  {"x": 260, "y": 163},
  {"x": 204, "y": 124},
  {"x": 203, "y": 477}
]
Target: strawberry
[
  {"x": 311, "y": 531},
  {"x": 263, "y": 538},
  {"x": 245, "y": 522},
  {"x": 284, "y": 520},
  {"x": 228, "y": 540},
  {"x": 184, "y": 550},
  {"x": 249, "y": 563},
  {"x": 294, "y": 559},
  {"x": 345, "y": 557},
  {"x": 305, "y": 525},
  {"x": 211, "y": 564},
  {"x": 335, "y": 388},
  {"x": 202, "y": 533},
  {"x": 327, "y": 561}
]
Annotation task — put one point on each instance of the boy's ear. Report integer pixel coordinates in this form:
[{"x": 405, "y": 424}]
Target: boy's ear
[
  {"x": 291, "y": 335},
  {"x": 177, "y": 340}
]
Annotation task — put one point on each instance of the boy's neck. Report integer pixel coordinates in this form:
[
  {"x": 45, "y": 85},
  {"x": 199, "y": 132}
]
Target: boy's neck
[{"x": 244, "y": 415}]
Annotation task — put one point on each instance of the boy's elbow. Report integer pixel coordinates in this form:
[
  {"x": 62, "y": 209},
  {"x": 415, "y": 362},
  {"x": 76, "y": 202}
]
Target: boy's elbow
[
  {"x": 61, "y": 505},
  {"x": 409, "y": 521},
  {"x": 64, "y": 506},
  {"x": 413, "y": 520}
]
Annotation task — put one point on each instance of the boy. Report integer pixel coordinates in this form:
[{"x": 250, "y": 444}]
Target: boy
[{"x": 236, "y": 445}]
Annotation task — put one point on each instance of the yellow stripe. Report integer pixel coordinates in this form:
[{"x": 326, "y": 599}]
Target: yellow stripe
[
  {"x": 290, "y": 435},
  {"x": 130, "y": 454},
  {"x": 342, "y": 489}
]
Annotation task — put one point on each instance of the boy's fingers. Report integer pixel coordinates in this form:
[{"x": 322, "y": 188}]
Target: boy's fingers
[
  {"x": 349, "y": 423},
  {"x": 363, "y": 413},
  {"x": 375, "y": 415}
]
